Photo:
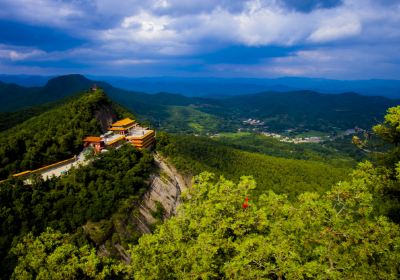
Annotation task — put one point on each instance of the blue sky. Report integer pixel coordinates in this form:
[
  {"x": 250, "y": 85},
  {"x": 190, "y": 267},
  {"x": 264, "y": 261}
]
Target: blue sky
[{"x": 339, "y": 39}]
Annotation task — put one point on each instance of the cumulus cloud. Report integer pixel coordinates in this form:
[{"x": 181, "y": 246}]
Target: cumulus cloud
[
  {"x": 255, "y": 23},
  {"x": 56, "y": 13},
  {"x": 133, "y": 32}
]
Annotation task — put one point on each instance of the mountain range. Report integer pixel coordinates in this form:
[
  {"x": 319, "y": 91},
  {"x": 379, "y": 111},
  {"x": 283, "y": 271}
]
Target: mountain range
[
  {"x": 115, "y": 217},
  {"x": 278, "y": 111},
  {"x": 222, "y": 87}
]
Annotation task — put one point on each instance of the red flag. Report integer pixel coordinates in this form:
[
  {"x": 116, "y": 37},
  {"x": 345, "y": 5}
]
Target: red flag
[{"x": 246, "y": 203}]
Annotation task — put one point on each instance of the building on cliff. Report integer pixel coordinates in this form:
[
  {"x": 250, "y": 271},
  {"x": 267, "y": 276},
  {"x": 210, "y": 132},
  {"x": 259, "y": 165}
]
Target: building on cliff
[{"x": 120, "y": 132}]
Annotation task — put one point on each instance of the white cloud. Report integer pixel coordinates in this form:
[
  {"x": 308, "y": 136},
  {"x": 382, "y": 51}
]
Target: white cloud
[
  {"x": 41, "y": 12},
  {"x": 134, "y": 32},
  {"x": 341, "y": 26},
  {"x": 15, "y": 53},
  {"x": 257, "y": 23}
]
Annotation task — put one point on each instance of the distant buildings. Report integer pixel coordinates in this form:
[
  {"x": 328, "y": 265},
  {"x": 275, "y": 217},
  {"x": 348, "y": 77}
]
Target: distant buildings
[
  {"x": 253, "y": 122},
  {"x": 121, "y": 132}
]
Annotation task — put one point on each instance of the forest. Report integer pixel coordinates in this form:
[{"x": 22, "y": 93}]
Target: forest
[
  {"x": 347, "y": 231},
  {"x": 300, "y": 110},
  {"x": 65, "y": 204},
  {"x": 51, "y": 136},
  {"x": 339, "y": 152},
  {"x": 312, "y": 212},
  {"x": 192, "y": 155}
]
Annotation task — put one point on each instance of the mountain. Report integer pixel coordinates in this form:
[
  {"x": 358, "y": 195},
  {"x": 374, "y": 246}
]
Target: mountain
[
  {"x": 25, "y": 80},
  {"x": 292, "y": 223},
  {"x": 14, "y": 97},
  {"x": 304, "y": 110},
  {"x": 225, "y": 87},
  {"x": 278, "y": 111},
  {"x": 55, "y": 134},
  {"x": 310, "y": 109}
]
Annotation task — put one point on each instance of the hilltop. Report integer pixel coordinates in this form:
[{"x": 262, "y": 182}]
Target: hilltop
[
  {"x": 55, "y": 134},
  {"x": 96, "y": 212},
  {"x": 304, "y": 110},
  {"x": 14, "y": 97}
]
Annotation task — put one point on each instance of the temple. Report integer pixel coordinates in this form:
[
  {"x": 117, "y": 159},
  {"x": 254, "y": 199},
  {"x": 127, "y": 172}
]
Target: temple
[
  {"x": 120, "y": 132},
  {"x": 96, "y": 142},
  {"x": 123, "y": 127}
]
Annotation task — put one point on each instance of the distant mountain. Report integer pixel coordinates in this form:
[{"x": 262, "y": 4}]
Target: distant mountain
[
  {"x": 14, "y": 97},
  {"x": 224, "y": 87},
  {"x": 278, "y": 111},
  {"x": 25, "y": 80},
  {"x": 311, "y": 110}
]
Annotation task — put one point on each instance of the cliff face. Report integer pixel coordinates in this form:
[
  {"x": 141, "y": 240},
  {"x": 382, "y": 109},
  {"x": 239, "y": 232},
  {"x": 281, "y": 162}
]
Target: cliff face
[
  {"x": 140, "y": 216},
  {"x": 163, "y": 196},
  {"x": 105, "y": 115}
]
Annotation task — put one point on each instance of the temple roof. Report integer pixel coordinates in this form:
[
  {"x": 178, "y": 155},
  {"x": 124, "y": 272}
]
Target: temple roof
[
  {"x": 92, "y": 139},
  {"x": 123, "y": 122}
]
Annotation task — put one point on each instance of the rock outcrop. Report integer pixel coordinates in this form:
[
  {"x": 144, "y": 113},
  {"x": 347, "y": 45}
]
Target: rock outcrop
[
  {"x": 105, "y": 115},
  {"x": 163, "y": 195}
]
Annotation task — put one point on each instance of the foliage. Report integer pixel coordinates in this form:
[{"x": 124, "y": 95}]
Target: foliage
[
  {"x": 300, "y": 110},
  {"x": 389, "y": 132},
  {"x": 54, "y": 135},
  {"x": 258, "y": 143},
  {"x": 341, "y": 233},
  {"x": 331, "y": 236},
  {"x": 196, "y": 154},
  {"x": 90, "y": 193},
  {"x": 51, "y": 255}
]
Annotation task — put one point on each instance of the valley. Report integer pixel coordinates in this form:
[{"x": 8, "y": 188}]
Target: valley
[
  {"x": 126, "y": 206},
  {"x": 200, "y": 140}
]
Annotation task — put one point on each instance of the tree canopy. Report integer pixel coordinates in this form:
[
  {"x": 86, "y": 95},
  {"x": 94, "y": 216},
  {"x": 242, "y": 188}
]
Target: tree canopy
[
  {"x": 331, "y": 236},
  {"x": 346, "y": 231}
]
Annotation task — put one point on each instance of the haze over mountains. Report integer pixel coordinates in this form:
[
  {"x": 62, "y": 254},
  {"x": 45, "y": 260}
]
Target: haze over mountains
[
  {"x": 278, "y": 111},
  {"x": 221, "y": 87}
]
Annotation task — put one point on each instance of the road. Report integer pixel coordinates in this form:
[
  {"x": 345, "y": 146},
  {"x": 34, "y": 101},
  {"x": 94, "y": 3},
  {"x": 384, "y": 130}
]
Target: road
[{"x": 63, "y": 169}]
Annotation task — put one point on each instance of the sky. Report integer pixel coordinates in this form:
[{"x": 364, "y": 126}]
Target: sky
[{"x": 337, "y": 39}]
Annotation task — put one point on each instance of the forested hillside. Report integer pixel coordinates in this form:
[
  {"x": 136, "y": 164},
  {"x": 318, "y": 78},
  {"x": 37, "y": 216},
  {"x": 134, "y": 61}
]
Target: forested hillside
[
  {"x": 279, "y": 111},
  {"x": 231, "y": 230},
  {"x": 66, "y": 204},
  {"x": 312, "y": 110},
  {"x": 299, "y": 212},
  {"x": 52, "y": 136},
  {"x": 193, "y": 155},
  {"x": 329, "y": 152}
]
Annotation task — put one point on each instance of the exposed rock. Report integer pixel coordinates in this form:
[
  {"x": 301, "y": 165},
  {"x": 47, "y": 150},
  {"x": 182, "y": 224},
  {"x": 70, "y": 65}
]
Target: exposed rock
[
  {"x": 105, "y": 115},
  {"x": 165, "y": 189}
]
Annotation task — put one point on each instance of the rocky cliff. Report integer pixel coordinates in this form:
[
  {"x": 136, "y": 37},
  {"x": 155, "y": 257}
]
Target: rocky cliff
[{"x": 163, "y": 196}]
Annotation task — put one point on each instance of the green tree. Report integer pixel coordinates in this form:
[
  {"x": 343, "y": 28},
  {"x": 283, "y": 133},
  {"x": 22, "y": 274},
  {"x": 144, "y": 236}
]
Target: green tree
[
  {"x": 52, "y": 256},
  {"x": 389, "y": 132},
  {"x": 332, "y": 236}
]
